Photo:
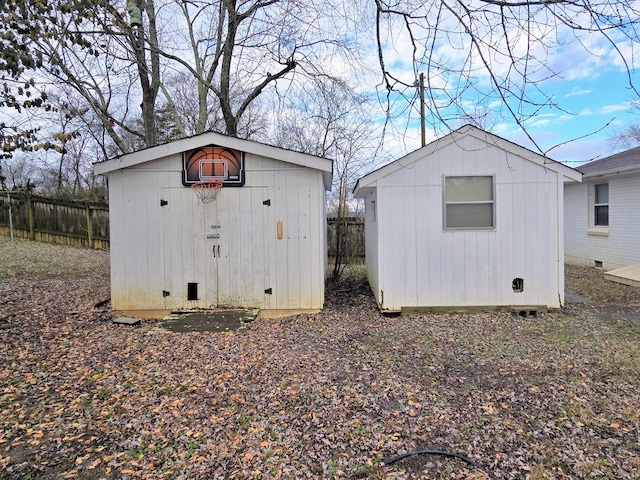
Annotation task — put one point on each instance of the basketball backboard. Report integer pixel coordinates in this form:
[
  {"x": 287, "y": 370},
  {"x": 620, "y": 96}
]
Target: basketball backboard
[{"x": 213, "y": 163}]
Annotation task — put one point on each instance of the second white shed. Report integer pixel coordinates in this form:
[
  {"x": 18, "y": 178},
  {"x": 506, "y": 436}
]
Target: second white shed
[
  {"x": 470, "y": 221},
  {"x": 261, "y": 244}
]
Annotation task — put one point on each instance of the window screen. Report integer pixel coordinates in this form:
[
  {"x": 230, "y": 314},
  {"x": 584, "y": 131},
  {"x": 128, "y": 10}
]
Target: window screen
[
  {"x": 469, "y": 202},
  {"x": 601, "y": 206}
]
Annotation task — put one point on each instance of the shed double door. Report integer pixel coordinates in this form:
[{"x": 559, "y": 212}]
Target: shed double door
[{"x": 216, "y": 254}]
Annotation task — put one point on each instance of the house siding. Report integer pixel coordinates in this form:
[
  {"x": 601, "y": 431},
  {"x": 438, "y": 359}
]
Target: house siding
[
  {"x": 421, "y": 264},
  {"x": 156, "y": 248},
  {"x": 621, "y": 247}
]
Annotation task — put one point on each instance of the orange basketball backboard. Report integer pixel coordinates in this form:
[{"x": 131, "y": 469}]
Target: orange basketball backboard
[{"x": 213, "y": 163}]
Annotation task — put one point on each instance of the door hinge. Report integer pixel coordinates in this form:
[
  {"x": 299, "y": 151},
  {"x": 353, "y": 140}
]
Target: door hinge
[
  {"x": 165, "y": 293},
  {"x": 267, "y": 202},
  {"x": 269, "y": 291},
  {"x": 163, "y": 203}
]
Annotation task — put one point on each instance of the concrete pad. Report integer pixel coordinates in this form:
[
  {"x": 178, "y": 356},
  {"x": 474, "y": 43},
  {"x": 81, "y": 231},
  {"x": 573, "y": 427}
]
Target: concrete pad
[
  {"x": 221, "y": 321},
  {"x": 126, "y": 321}
]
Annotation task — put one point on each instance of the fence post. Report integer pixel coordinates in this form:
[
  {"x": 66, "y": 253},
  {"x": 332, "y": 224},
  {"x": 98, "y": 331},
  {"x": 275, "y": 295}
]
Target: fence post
[
  {"x": 32, "y": 229},
  {"x": 87, "y": 210},
  {"x": 10, "y": 216}
]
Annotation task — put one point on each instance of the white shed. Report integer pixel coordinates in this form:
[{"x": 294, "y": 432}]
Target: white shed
[
  {"x": 261, "y": 244},
  {"x": 603, "y": 213},
  {"x": 470, "y": 221}
]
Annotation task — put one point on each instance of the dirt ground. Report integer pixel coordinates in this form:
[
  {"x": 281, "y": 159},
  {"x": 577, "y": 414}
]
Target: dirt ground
[{"x": 331, "y": 395}]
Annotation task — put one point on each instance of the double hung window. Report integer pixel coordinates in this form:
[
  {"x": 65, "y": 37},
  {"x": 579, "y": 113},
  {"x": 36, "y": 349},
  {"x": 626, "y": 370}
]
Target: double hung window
[
  {"x": 601, "y": 205},
  {"x": 469, "y": 202}
]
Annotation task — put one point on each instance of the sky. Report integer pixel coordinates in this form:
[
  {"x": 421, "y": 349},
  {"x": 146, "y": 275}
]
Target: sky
[
  {"x": 594, "y": 107},
  {"x": 597, "y": 105},
  {"x": 591, "y": 86}
]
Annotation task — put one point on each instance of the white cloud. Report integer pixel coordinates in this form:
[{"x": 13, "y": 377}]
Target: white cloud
[
  {"x": 609, "y": 109},
  {"x": 578, "y": 91}
]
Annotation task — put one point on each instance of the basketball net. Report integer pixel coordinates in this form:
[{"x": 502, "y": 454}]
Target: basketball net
[{"x": 208, "y": 191}]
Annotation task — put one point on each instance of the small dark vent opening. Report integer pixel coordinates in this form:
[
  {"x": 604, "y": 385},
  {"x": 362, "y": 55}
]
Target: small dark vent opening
[
  {"x": 192, "y": 291},
  {"x": 517, "y": 284},
  {"x": 597, "y": 263}
]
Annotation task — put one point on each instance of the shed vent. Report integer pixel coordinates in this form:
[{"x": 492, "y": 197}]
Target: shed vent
[
  {"x": 192, "y": 291},
  {"x": 517, "y": 284}
]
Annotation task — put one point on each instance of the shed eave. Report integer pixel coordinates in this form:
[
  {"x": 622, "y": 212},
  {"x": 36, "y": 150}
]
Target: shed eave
[
  {"x": 467, "y": 130},
  {"x": 249, "y": 146}
]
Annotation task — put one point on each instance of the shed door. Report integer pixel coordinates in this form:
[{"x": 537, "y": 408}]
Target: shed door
[{"x": 216, "y": 252}]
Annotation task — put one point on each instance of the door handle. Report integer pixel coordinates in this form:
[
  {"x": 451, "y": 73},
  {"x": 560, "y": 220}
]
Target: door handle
[
  {"x": 214, "y": 251},
  {"x": 218, "y": 250}
]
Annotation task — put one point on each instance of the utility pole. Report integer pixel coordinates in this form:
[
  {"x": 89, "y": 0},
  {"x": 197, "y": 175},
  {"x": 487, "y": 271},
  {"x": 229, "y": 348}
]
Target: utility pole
[{"x": 422, "y": 130}]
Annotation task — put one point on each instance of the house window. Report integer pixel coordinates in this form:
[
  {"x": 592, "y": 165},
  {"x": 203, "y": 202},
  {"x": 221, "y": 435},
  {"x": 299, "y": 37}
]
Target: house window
[
  {"x": 601, "y": 205},
  {"x": 469, "y": 202}
]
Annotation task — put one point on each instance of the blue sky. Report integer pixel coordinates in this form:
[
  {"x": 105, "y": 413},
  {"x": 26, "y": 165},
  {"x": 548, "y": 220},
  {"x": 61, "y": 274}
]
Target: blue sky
[
  {"x": 597, "y": 104},
  {"x": 585, "y": 75},
  {"x": 593, "y": 107}
]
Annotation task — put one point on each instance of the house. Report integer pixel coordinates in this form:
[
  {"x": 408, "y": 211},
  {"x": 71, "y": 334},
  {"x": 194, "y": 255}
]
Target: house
[
  {"x": 470, "y": 221},
  {"x": 260, "y": 244},
  {"x": 602, "y": 215}
]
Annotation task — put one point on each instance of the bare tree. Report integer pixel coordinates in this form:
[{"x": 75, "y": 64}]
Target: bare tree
[
  {"x": 331, "y": 120},
  {"x": 116, "y": 54},
  {"x": 628, "y": 136},
  {"x": 493, "y": 52}
]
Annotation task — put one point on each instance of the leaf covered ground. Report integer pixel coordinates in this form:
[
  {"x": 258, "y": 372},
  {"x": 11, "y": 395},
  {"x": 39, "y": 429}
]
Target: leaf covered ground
[{"x": 330, "y": 395}]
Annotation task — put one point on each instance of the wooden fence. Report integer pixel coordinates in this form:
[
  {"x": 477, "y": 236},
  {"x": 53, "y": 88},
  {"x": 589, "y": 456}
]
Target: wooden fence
[
  {"x": 353, "y": 244},
  {"x": 55, "y": 221},
  {"x": 83, "y": 224}
]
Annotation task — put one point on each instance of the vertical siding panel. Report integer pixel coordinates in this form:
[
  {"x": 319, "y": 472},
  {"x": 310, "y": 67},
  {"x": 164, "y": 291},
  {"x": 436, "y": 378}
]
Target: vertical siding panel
[
  {"x": 423, "y": 225},
  {"x": 282, "y": 264},
  {"x": 395, "y": 253},
  {"x": 236, "y": 245},
  {"x": 372, "y": 251},
  {"x": 250, "y": 264},
  {"x": 154, "y": 268},
  {"x": 407, "y": 276},
  {"x": 309, "y": 268},
  {"x": 434, "y": 238},
  {"x": 484, "y": 256},
  {"x": 556, "y": 237},
  {"x": 501, "y": 240},
  {"x": 295, "y": 204},
  {"x": 531, "y": 252},
  {"x": 317, "y": 239},
  {"x": 118, "y": 255},
  {"x": 133, "y": 227},
  {"x": 386, "y": 226}
]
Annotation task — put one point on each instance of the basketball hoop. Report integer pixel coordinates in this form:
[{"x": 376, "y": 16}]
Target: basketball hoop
[{"x": 208, "y": 191}]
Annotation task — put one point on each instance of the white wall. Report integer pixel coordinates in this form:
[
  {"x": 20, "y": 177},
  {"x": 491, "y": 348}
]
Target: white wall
[
  {"x": 156, "y": 248},
  {"x": 619, "y": 244},
  {"x": 372, "y": 252},
  {"x": 421, "y": 264}
]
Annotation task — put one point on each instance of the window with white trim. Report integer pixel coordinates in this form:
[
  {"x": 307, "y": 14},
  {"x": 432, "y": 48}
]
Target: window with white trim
[
  {"x": 601, "y": 205},
  {"x": 469, "y": 202}
]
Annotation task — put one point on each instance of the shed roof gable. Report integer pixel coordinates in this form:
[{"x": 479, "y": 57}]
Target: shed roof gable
[
  {"x": 367, "y": 182},
  {"x": 150, "y": 154}
]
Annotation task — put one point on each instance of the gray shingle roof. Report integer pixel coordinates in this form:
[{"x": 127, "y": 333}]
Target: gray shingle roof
[{"x": 623, "y": 160}]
